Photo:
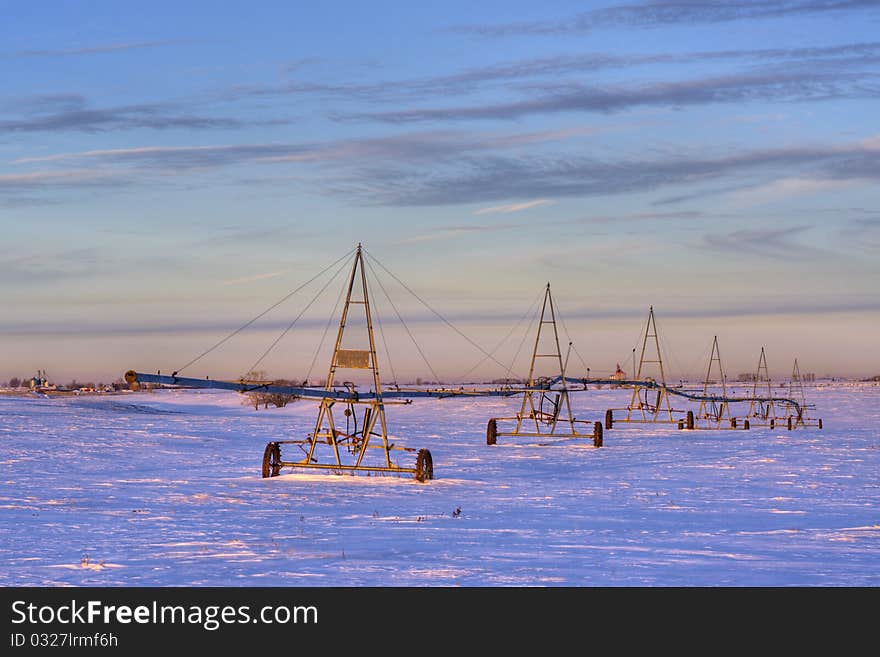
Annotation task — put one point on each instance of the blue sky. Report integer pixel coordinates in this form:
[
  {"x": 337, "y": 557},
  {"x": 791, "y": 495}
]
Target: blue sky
[{"x": 169, "y": 170}]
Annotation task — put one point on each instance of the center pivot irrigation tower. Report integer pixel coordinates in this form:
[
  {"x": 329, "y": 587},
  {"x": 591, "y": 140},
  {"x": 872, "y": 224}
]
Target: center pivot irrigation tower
[
  {"x": 544, "y": 407},
  {"x": 364, "y": 445},
  {"x": 796, "y": 413},
  {"x": 713, "y": 411},
  {"x": 649, "y": 404},
  {"x": 762, "y": 411},
  {"x": 328, "y": 447}
]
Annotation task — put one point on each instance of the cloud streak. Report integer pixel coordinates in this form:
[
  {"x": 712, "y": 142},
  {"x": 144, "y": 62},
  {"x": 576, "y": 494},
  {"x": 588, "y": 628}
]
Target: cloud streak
[
  {"x": 41, "y": 180},
  {"x": 661, "y": 13},
  {"x": 767, "y": 242},
  {"x": 85, "y": 119},
  {"x": 708, "y": 309},
  {"x": 93, "y": 50},
  {"x": 496, "y": 178},
  {"x": 514, "y": 207},
  {"x": 449, "y": 168},
  {"x": 450, "y": 232},
  {"x": 476, "y": 79},
  {"x": 797, "y": 86},
  {"x": 413, "y": 147}
]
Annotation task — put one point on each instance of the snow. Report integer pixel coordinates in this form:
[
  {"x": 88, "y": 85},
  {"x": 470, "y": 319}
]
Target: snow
[{"x": 164, "y": 488}]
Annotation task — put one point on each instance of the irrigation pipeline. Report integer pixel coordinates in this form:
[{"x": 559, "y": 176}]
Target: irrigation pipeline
[
  {"x": 678, "y": 391},
  {"x": 348, "y": 395}
]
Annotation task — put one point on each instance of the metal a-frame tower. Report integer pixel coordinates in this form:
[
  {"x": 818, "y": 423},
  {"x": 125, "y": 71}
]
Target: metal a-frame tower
[
  {"x": 797, "y": 416},
  {"x": 649, "y": 404},
  {"x": 762, "y": 411},
  {"x": 545, "y": 409},
  {"x": 712, "y": 412},
  {"x": 329, "y": 447}
]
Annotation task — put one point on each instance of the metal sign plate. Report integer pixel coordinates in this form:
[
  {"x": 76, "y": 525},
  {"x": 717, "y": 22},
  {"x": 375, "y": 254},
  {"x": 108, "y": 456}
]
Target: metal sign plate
[{"x": 358, "y": 359}]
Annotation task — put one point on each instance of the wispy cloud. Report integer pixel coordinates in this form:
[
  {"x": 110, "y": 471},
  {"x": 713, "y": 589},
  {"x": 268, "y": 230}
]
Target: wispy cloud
[
  {"x": 179, "y": 157},
  {"x": 767, "y": 242},
  {"x": 449, "y": 232},
  {"x": 84, "y": 119},
  {"x": 93, "y": 50},
  {"x": 412, "y": 147},
  {"x": 785, "y": 188},
  {"x": 18, "y": 182},
  {"x": 297, "y": 65},
  {"x": 477, "y": 79},
  {"x": 23, "y": 201},
  {"x": 769, "y": 86},
  {"x": 37, "y": 268},
  {"x": 863, "y": 232},
  {"x": 755, "y": 307},
  {"x": 644, "y": 216},
  {"x": 514, "y": 207},
  {"x": 71, "y": 112},
  {"x": 451, "y": 167},
  {"x": 668, "y": 12},
  {"x": 44, "y": 103},
  {"x": 254, "y": 278},
  {"x": 479, "y": 179}
]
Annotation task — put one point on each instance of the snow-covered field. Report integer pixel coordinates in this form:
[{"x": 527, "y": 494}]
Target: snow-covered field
[{"x": 165, "y": 489}]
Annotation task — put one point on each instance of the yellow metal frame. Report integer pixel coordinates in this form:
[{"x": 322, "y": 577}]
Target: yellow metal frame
[
  {"x": 641, "y": 410},
  {"x": 532, "y": 407},
  {"x": 327, "y": 435},
  {"x": 711, "y": 414}
]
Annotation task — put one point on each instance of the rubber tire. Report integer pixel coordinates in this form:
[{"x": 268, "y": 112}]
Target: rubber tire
[
  {"x": 609, "y": 418},
  {"x": 681, "y": 425},
  {"x": 789, "y": 423},
  {"x": 424, "y": 466},
  {"x": 597, "y": 434},
  {"x": 820, "y": 423},
  {"x": 271, "y": 460},
  {"x": 772, "y": 423},
  {"x": 689, "y": 423},
  {"x": 733, "y": 423},
  {"x": 492, "y": 432},
  {"x": 747, "y": 425}
]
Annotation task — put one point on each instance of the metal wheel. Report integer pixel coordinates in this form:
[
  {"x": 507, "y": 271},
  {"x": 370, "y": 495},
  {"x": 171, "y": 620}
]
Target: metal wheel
[
  {"x": 272, "y": 460},
  {"x": 597, "y": 434},
  {"x": 492, "y": 432},
  {"x": 424, "y": 466}
]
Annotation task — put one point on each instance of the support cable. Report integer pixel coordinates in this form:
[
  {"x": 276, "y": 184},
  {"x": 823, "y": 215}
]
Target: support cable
[
  {"x": 406, "y": 328},
  {"x": 523, "y": 341},
  {"x": 436, "y": 313},
  {"x": 381, "y": 330},
  {"x": 342, "y": 291},
  {"x": 262, "y": 314},
  {"x": 570, "y": 341},
  {"x": 297, "y": 318},
  {"x": 505, "y": 339}
]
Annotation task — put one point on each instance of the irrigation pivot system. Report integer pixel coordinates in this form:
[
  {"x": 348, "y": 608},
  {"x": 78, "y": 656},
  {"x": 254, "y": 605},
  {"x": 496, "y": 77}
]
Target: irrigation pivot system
[
  {"x": 350, "y": 433},
  {"x": 650, "y": 402},
  {"x": 545, "y": 409}
]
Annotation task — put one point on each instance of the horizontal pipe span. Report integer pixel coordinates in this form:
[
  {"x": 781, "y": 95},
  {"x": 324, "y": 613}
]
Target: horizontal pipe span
[{"x": 435, "y": 393}]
